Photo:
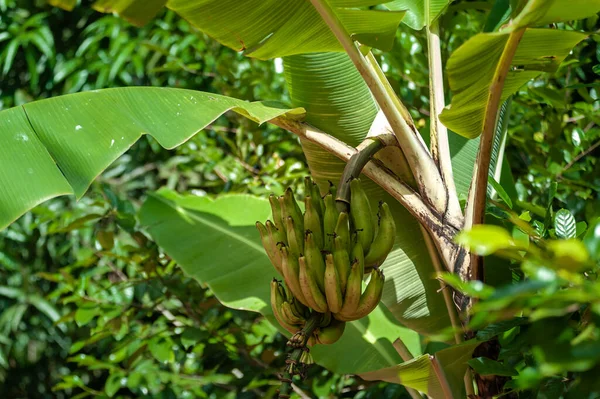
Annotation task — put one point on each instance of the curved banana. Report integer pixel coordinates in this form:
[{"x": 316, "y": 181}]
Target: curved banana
[
  {"x": 342, "y": 230},
  {"x": 330, "y": 219},
  {"x": 314, "y": 259},
  {"x": 277, "y": 215},
  {"x": 313, "y": 295},
  {"x": 312, "y": 190},
  {"x": 295, "y": 241},
  {"x": 370, "y": 298},
  {"x": 318, "y": 199},
  {"x": 361, "y": 214},
  {"x": 312, "y": 221},
  {"x": 341, "y": 259},
  {"x": 384, "y": 240},
  {"x": 270, "y": 246},
  {"x": 288, "y": 315},
  {"x": 291, "y": 273},
  {"x": 330, "y": 334},
  {"x": 290, "y": 208},
  {"x": 277, "y": 300},
  {"x": 333, "y": 288},
  {"x": 353, "y": 290},
  {"x": 359, "y": 255}
]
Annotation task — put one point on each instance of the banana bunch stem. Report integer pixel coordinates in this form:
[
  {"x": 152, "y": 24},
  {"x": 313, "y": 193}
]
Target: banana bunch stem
[
  {"x": 355, "y": 165},
  {"x": 298, "y": 341}
]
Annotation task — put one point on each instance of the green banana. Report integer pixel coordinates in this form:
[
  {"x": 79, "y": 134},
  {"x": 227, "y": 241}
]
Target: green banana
[
  {"x": 333, "y": 288},
  {"x": 290, "y": 208},
  {"x": 360, "y": 212},
  {"x": 314, "y": 297},
  {"x": 353, "y": 290},
  {"x": 369, "y": 299},
  {"x": 277, "y": 215},
  {"x": 288, "y": 315},
  {"x": 312, "y": 190},
  {"x": 312, "y": 221},
  {"x": 341, "y": 259},
  {"x": 332, "y": 333},
  {"x": 330, "y": 218},
  {"x": 270, "y": 246},
  {"x": 342, "y": 230},
  {"x": 384, "y": 240},
  {"x": 291, "y": 273},
  {"x": 277, "y": 299},
  {"x": 278, "y": 239},
  {"x": 318, "y": 199},
  {"x": 295, "y": 241},
  {"x": 314, "y": 259},
  {"x": 359, "y": 255}
]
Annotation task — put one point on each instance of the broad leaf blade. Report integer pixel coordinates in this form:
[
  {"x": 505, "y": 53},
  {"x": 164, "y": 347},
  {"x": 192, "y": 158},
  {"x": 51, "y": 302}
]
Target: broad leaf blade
[
  {"x": 471, "y": 70},
  {"x": 338, "y": 102},
  {"x": 423, "y": 372},
  {"x": 272, "y": 28},
  {"x": 216, "y": 242},
  {"x": 59, "y": 146}
]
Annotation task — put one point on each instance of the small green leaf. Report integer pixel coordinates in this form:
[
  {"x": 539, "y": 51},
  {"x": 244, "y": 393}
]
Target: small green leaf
[
  {"x": 84, "y": 315},
  {"x": 484, "y": 366},
  {"x": 596, "y": 69},
  {"x": 114, "y": 382},
  {"x": 564, "y": 224},
  {"x": 485, "y": 239},
  {"x": 494, "y": 329},
  {"x": 160, "y": 347},
  {"x": 500, "y": 190},
  {"x": 569, "y": 254}
]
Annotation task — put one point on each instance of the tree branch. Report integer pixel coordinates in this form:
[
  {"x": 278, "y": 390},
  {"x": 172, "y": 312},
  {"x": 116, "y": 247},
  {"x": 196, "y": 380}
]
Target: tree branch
[
  {"x": 427, "y": 175},
  {"x": 475, "y": 210}
]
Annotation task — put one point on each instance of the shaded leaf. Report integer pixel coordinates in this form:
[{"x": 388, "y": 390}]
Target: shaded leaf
[{"x": 484, "y": 366}]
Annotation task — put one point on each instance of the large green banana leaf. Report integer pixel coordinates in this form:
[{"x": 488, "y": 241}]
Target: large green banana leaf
[
  {"x": 59, "y": 146},
  {"x": 270, "y": 28},
  {"x": 337, "y": 101},
  {"x": 216, "y": 243},
  {"x": 472, "y": 67}
]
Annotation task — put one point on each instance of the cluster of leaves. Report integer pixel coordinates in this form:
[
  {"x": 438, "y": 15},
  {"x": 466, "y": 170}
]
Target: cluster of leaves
[{"x": 547, "y": 320}]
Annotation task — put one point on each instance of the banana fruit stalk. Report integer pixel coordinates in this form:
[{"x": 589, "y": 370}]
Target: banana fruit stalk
[{"x": 323, "y": 256}]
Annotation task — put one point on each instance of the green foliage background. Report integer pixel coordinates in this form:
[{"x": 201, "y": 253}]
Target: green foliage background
[{"x": 89, "y": 306}]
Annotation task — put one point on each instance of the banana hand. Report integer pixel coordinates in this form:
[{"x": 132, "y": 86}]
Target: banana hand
[
  {"x": 270, "y": 246},
  {"x": 353, "y": 290},
  {"x": 277, "y": 299},
  {"x": 369, "y": 299}
]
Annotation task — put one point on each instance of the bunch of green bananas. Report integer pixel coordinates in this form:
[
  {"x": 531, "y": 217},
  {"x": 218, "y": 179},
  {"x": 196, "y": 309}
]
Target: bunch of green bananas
[{"x": 323, "y": 256}]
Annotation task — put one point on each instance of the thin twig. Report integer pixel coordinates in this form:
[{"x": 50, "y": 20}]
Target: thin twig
[
  {"x": 578, "y": 157},
  {"x": 427, "y": 175}
]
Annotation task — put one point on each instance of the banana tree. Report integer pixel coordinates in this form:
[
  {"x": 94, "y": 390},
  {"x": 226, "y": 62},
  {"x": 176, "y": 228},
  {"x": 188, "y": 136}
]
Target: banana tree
[{"x": 342, "y": 108}]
